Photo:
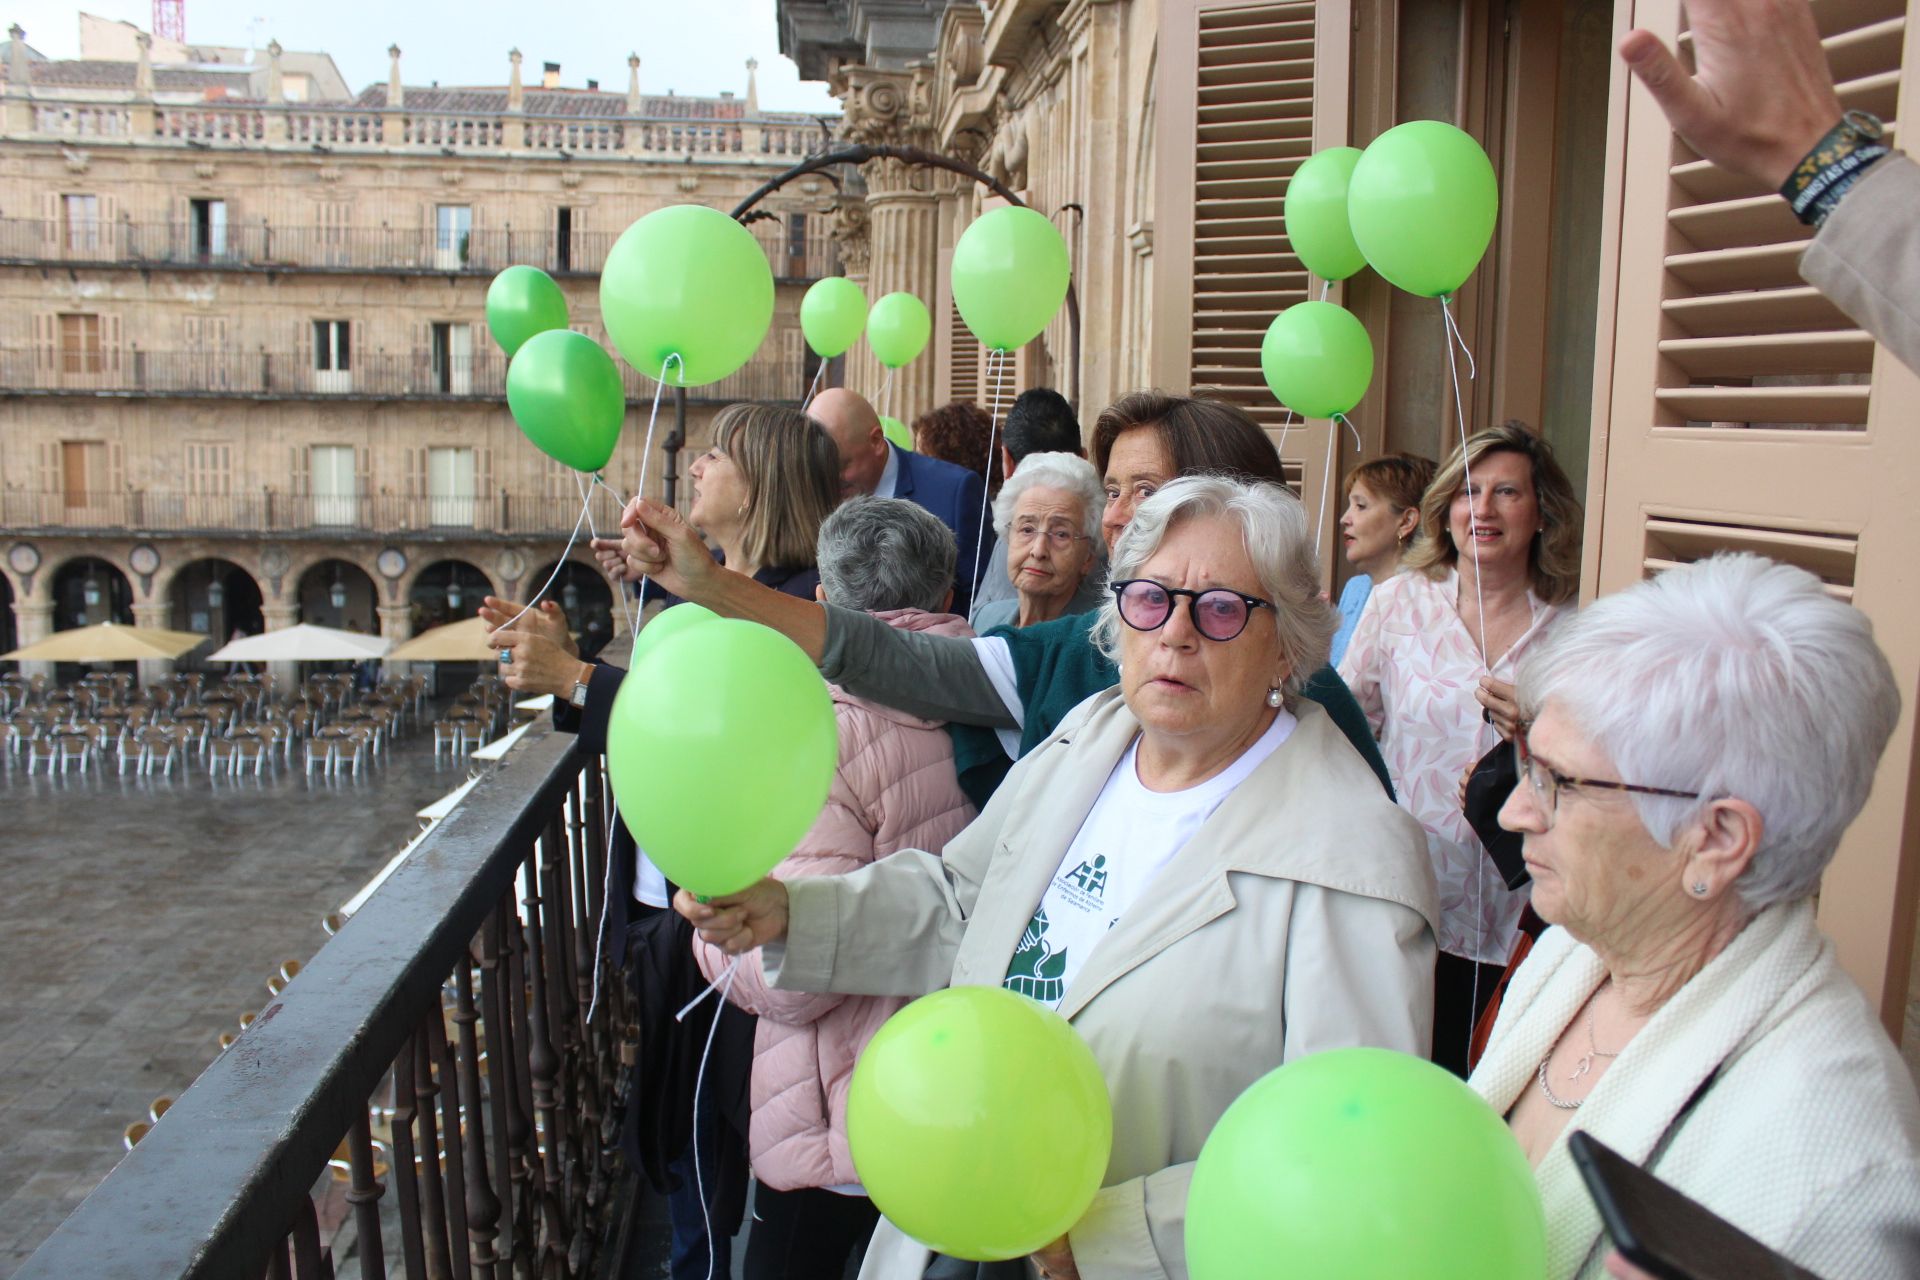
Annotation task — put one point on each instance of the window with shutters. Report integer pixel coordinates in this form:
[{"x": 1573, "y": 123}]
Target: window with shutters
[
  {"x": 452, "y": 229},
  {"x": 450, "y": 487},
  {"x": 209, "y": 469},
  {"x": 80, "y": 224},
  {"x": 332, "y": 355},
  {"x": 1738, "y": 410},
  {"x": 83, "y": 473},
  {"x": 451, "y": 344},
  {"x": 334, "y": 219},
  {"x": 81, "y": 347},
  {"x": 963, "y": 363},
  {"x": 333, "y": 483}
]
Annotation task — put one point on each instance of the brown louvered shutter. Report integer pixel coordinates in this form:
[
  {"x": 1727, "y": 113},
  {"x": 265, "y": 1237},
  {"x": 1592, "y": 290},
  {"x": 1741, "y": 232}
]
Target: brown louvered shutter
[
  {"x": 1737, "y": 409},
  {"x": 1269, "y": 84}
]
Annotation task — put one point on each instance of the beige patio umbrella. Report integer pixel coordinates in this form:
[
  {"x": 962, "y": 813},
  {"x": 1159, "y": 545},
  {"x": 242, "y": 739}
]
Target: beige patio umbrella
[
  {"x": 464, "y": 641},
  {"x": 303, "y": 643},
  {"x": 108, "y": 642}
]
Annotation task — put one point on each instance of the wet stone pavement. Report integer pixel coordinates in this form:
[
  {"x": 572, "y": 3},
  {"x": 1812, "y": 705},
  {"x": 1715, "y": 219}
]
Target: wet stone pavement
[{"x": 139, "y": 918}]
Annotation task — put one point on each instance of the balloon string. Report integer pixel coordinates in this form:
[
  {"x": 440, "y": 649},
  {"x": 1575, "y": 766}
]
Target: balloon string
[
  {"x": 646, "y": 449},
  {"x": 886, "y": 393},
  {"x": 1326, "y": 478},
  {"x": 1454, "y": 340},
  {"x": 506, "y": 655},
  {"x": 999, "y": 369},
  {"x": 725, "y": 985},
  {"x": 813, "y": 387},
  {"x": 1281, "y": 449}
]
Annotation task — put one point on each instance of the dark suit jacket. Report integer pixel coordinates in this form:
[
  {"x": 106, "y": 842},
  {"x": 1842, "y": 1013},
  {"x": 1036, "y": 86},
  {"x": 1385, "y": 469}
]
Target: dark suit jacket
[{"x": 955, "y": 495}]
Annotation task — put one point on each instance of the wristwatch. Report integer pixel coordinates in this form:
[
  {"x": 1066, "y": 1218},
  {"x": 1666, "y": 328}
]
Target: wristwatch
[
  {"x": 1834, "y": 164},
  {"x": 579, "y": 695}
]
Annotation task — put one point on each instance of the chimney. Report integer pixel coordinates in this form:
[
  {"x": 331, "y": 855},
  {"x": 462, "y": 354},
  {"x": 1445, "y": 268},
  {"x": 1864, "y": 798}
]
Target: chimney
[
  {"x": 593, "y": 86},
  {"x": 143, "y": 71},
  {"x": 753, "y": 88},
  {"x": 633, "y": 84},
  {"x": 549, "y": 75},
  {"x": 515, "y": 99},
  {"x": 396, "y": 92}
]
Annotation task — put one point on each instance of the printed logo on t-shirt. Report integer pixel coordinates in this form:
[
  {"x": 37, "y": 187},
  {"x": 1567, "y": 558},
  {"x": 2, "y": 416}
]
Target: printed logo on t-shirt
[{"x": 1036, "y": 969}]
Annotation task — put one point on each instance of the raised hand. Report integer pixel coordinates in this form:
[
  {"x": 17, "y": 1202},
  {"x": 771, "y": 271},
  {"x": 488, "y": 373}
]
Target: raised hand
[{"x": 549, "y": 621}]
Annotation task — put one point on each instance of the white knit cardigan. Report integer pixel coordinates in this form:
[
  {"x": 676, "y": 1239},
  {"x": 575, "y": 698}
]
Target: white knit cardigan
[{"x": 1807, "y": 1134}]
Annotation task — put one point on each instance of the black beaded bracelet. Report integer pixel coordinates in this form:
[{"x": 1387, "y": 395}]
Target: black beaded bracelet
[{"x": 1834, "y": 164}]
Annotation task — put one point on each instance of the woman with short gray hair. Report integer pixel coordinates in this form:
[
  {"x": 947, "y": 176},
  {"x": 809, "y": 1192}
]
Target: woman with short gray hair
[
  {"x": 1046, "y": 516},
  {"x": 885, "y": 553},
  {"x": 1691, "y": 750},
  {"x": 1128, "y": 873}
]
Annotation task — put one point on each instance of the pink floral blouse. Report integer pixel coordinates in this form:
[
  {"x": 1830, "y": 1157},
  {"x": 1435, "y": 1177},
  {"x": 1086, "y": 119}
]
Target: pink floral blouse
[{"x": 1414, "y": 669}]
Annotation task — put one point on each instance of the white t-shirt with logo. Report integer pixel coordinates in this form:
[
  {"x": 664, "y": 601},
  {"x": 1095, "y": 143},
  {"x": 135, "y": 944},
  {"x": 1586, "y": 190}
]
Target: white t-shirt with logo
[{"x": 1128, "y": 837}]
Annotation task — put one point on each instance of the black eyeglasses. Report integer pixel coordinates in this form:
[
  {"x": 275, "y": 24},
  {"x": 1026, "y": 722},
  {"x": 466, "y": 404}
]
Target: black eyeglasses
[
  {"x": 1547, "y": 783},
  {"x": 1217, "y": 613}
]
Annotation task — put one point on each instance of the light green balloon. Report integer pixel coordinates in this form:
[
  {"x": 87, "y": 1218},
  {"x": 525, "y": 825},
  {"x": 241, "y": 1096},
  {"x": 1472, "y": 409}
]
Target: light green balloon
[
  {"x": 979, "y": 1123},
  {"x": 521, "y": 302},
  {"x": 686, "y": 281},
  {"x": 1315, "y": 210},
  {"x": 1422, "y": 203},
  {"x": 898, "y": 328},
  {"x": 898, "y": 432},
  {"x": 720, "y": 748},
  {"x": 1356, "y": 1164},
  {"x": 667, "y": 623},
  {"x": 564, "y": 391},
  {"x": 1317, "y": 359},
  {"x": 1010, "y": 274},
  {"x": 832, "y": 314}
]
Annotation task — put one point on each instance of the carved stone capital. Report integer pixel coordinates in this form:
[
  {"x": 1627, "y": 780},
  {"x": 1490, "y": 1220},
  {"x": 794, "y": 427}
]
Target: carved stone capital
[{"x": 850, "y": 227}]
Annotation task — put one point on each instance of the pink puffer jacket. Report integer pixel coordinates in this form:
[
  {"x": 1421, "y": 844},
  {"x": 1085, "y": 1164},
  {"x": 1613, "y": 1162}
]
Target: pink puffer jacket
[{"x": 895, "y": 789}]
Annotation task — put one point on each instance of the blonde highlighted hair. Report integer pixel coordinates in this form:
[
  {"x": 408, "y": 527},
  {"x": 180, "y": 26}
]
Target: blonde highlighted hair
[
  {"x": 792, "y": 471},
  {"x": 1553, "y": 561}
]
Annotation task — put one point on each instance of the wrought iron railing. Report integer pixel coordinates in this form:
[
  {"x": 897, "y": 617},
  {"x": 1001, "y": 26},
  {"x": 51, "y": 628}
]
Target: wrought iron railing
[
  {"x": 270, "y": 511},
  {"x": 443, "y": 1037},
  {"x": 229, "y": 371},
  {"x": 801, "y": 250}
]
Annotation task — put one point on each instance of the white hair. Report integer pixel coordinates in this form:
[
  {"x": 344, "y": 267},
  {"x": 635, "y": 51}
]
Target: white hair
[
  {"x": 1066, "y": 471},
  {"x": 885, "y": 553},
  {"x": 1733, "y": 677},
  {"x": 1273, "y": 529}
]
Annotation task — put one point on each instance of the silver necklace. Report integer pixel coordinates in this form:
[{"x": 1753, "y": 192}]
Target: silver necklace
[{"x": 1580, "y": 1068}]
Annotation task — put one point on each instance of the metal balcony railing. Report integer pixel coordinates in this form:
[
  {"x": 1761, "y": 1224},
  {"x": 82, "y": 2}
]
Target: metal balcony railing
[
  {"x": 805, "y": 252},
  {"x": 443, "y": 1037},
  {"x": 502, "y": 513},
  {"x": 378, "y": 375}
]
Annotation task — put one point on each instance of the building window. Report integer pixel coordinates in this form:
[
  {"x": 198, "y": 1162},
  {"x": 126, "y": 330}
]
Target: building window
[
  {"x": 83, "y": 472},
  {"x": 450, "y": 487},
  {"x": 81, "y": 216},
  {"x": 209, "y": 470},
  {"x": 452, "y": 227},
  {"x": 797, "y": 264},
  {"x": 332, "y": 355},
  {"x": 208, "y": 228},
  {"x": 81, "y": 350},
  {"x": 336, "y": 494},
  {"x": 453, "y": 358},
  {"x": 563, "y": 240}
]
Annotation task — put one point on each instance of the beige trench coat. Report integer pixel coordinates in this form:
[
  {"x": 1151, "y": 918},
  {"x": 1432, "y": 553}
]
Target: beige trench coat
[{"x": 1299, "y": 918}]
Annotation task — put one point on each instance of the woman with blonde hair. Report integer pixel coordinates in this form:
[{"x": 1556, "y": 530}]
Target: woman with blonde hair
[
  {"x": 1495, "y": 563},
  {"x": 1377, "y": 529}
]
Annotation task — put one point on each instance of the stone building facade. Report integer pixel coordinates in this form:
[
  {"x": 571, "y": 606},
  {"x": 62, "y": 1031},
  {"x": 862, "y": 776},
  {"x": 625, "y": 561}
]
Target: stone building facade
[{"x": 245, "y": 376}]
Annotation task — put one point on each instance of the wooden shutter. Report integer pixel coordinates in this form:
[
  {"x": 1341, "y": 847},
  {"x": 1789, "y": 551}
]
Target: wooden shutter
[
  {"x": 46, "y": 344},
  {"x": 52, "y": 224},
  {"x": 302, "y": 472},
  {"x": 110, "y": 347},
  {"x": 1269, "y": 85},
  {"x": 1737, "y": 409}
]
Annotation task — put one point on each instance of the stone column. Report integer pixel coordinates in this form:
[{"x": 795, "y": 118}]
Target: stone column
[
  {"x": 32, "y": 623},
  {"x": 396, "y": 624},
  {"x": 278, "y": 616},
  {"x": 391, "y": 121},
  {"x": 153, "y": 669},
  {"x": 276, "y": 94}
]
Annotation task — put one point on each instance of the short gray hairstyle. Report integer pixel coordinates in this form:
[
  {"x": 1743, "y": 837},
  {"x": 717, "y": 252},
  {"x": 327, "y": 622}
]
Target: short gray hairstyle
[
  {"x": 1065, "y": 471},
  {"x": 1273, "y": 528},
  {"x": 1734, "y": 676},
  {"x": 885, "y": 553}
]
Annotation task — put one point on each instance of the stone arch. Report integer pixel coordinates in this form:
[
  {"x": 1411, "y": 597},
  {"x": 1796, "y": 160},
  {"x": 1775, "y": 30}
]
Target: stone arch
[
  {"x": 584, "y": 592},
  {"x": 353, "y": 605},
  {"x": 447, "y": 590},
  {"x": 214, "y": 596},
  {"x": 9, "y": 629},
  {"x": 89, "y": 589}
]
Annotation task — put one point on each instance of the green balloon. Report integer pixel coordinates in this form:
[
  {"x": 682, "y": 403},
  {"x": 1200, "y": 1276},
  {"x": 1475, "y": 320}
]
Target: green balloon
[
  {"x": 667, "y": 623},
  {"x": 1315, "y": 210},
  {"x": 979, "y": 1123},
  {"x": 832, "y": 314},
  {"x": 1010, "y": 275},
  {"x": 521, "y": 302},
  {"x": 686, "y": 281},
  {"x": 721, "y": 747},
  {"x": 898, "y": 432},
  {"x": 1355, "y": 1164},
  {"x": 1317, "y": 359},
  {"x": 898, "y": 328},
  {"x": 564, "y": 390},
  {"x": 1422, "y": 203}
]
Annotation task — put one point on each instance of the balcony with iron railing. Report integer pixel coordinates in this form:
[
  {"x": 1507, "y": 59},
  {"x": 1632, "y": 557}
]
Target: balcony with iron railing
[
  {"x": 798, "y": 249},
  {"x": 229, "y": 373},
  {"x": 275, "y": 512},
  {"x": 453, "y": 1043}
]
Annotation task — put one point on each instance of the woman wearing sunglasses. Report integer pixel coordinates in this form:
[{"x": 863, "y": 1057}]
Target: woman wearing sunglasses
[{"x": 1193, "y": 868}]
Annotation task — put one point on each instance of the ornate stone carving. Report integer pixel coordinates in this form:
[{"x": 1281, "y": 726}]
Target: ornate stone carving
[
  {"x": 850, "y": 227},
  {"x": 688, "y": 183},
  {"x": 569, "y": 178},
  {"x": 203, "y": 170},
  {"x": 887, "y": 108},
  {"x": 77, "y": 161}
]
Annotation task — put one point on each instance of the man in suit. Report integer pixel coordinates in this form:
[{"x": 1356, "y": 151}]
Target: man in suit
[{"x": 870, "y": 464}]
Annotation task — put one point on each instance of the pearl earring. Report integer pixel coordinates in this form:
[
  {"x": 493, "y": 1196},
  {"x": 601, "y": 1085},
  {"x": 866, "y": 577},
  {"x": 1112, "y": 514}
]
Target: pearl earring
[
  {"x": 1274, "y": 697},
  {"x": 1700, "y": 888}
]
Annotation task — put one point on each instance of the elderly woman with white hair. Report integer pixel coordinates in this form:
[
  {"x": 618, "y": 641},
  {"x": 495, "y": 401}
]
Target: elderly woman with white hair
[
  {"x": 1691, "y": 750},
  {"x": 1047, "y": 516},
  {"x": 1128, "y": 874}
]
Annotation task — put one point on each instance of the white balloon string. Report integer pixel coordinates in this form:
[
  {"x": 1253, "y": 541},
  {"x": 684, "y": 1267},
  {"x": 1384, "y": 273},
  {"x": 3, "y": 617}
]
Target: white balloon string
[
  {"x": 999, "y": 369},
  {"x": 725, "y": 985},
  {"x": 1326, "y": 478},
  {"x": 813, "y": 387},
  {"x": 506, "y": 655},
  {"x": 1326, "y": 288},
  {"x": 886, "y": 394},
  {"x": 646, "y": 449}
]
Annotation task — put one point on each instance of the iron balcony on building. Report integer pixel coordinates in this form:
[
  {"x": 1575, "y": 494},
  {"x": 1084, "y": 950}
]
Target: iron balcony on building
[{"x": 271, "y": 513}]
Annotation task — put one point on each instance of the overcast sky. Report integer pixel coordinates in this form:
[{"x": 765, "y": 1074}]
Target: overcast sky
[{"x": 690, "y": 46}]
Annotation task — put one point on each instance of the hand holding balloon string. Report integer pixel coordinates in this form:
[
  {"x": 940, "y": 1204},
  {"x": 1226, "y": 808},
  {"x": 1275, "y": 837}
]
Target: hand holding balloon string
[{"x": 738, "y": 922}]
